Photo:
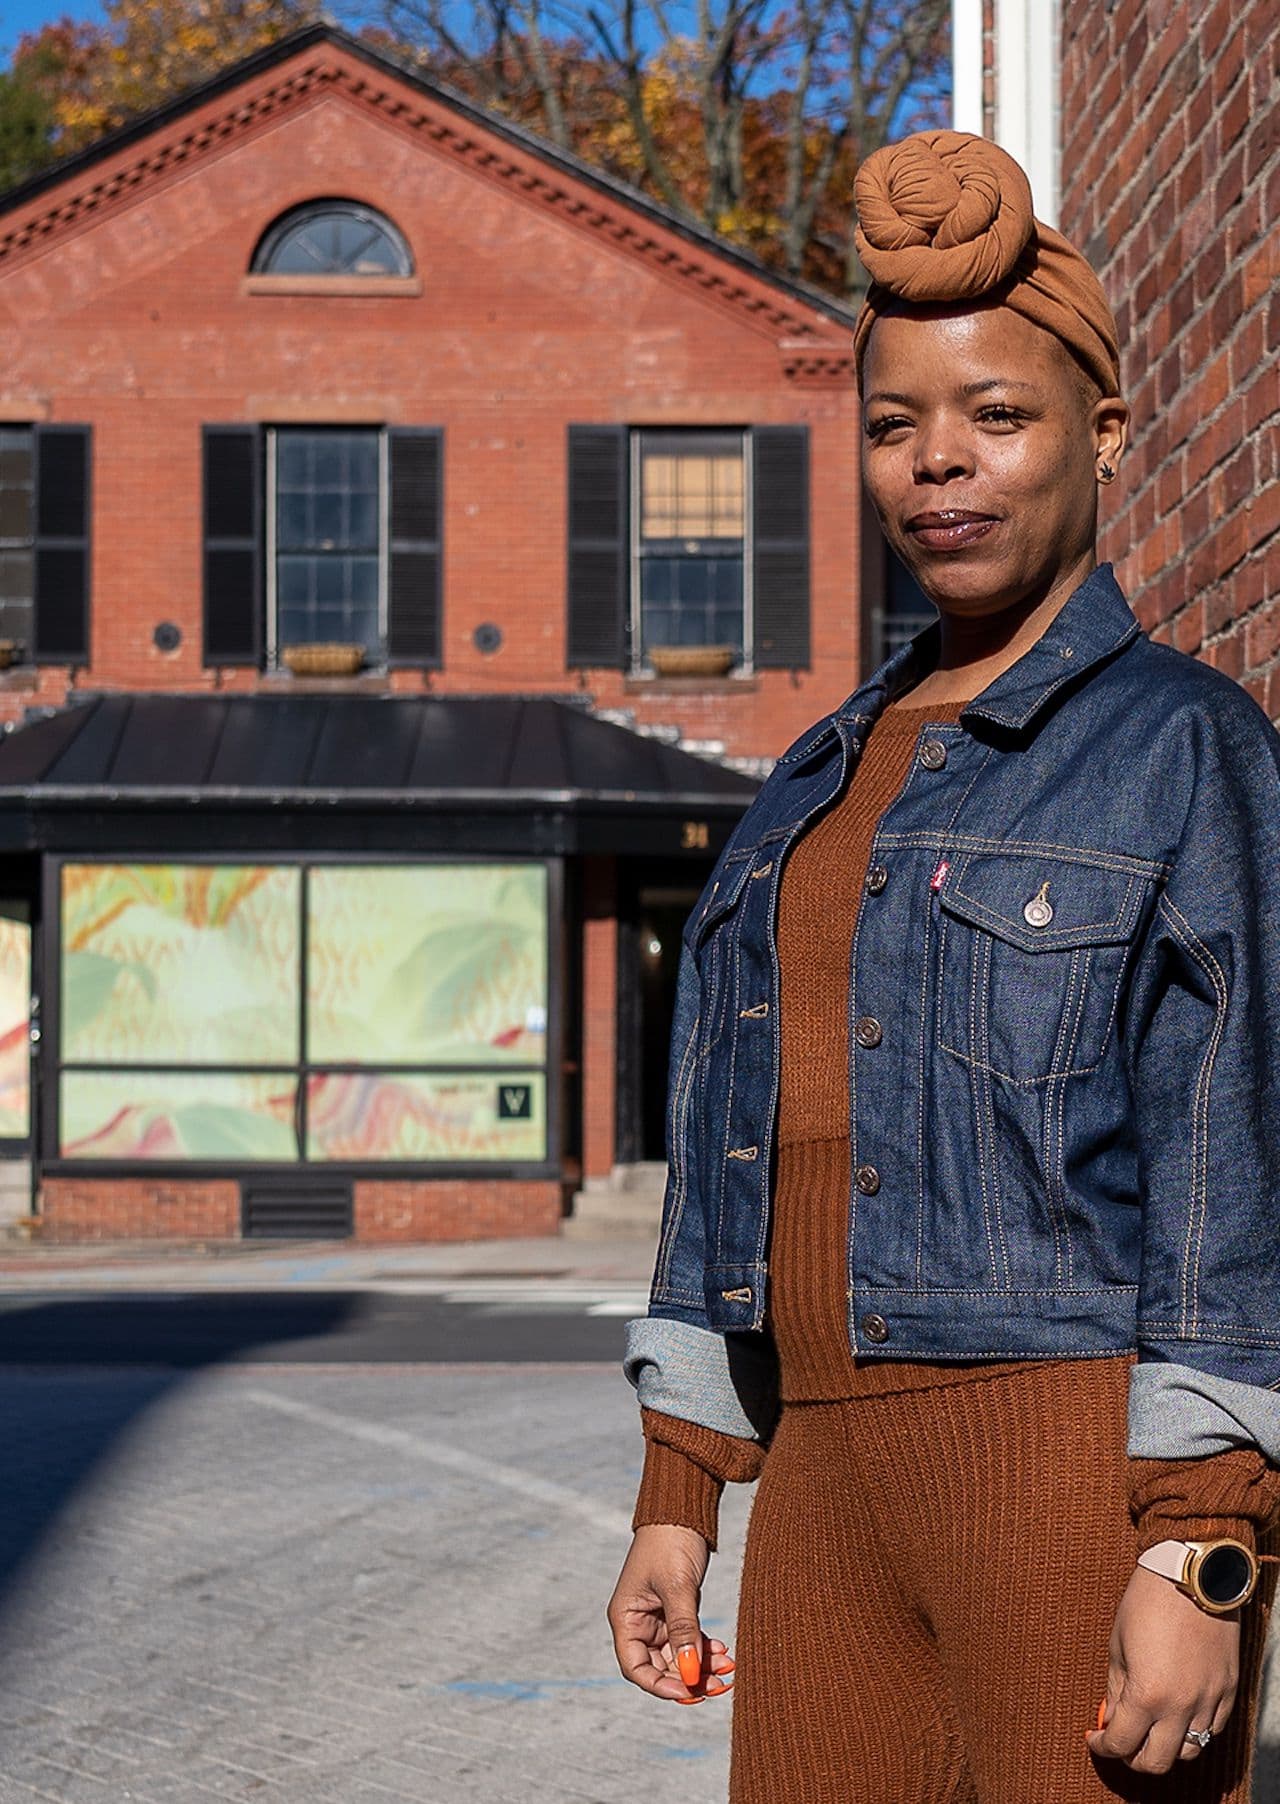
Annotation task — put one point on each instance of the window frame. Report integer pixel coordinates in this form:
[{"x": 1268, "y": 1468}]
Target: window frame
[
  {"x": 47, "y": 1097},
  {"x": 285, "y": 223},
  {"x": 270, "y": 637},
  {"x": 27, "y": 659},
  {"x": 637, "y": 665}
]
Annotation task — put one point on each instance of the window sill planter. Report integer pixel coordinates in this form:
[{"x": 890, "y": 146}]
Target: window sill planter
[
  {"x": 323, "y": 659},
  {"x": 691, "y": 660}
]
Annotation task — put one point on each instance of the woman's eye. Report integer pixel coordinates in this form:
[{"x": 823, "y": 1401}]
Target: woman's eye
[{"x": 877, "y": 428}]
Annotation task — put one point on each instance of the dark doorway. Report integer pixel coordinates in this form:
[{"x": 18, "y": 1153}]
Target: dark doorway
[{"x": 651, "y": 915}]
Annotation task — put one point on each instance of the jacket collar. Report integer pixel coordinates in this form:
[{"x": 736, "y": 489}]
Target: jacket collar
[{"x": 1094, "y": 621}]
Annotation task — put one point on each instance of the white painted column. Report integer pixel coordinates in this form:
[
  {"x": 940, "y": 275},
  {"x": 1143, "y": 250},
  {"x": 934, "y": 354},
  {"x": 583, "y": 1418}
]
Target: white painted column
[
  {"x": 1028, "y": 108},
  {"x": 966, "y": 66}
]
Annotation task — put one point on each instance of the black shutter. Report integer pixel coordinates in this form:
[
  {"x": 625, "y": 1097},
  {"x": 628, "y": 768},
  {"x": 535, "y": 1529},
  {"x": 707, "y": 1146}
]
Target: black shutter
[
  {"x": 61, "y": 631},
  {"x": 780, "y": 565},
  {"x": 233, "y": 565},
  {"x": 414, "y": 576},
  {"x": 597, "y": 553}
]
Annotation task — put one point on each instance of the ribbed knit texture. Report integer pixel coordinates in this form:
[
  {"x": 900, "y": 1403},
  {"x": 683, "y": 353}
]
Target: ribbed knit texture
[
  {"x": 928, "y": 1591},
  {"x": 686, "y": 1465}
]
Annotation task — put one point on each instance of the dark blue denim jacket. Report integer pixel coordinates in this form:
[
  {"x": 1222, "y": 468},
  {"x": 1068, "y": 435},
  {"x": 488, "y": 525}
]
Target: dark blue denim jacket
[{"x": 1064, "y": 1100}]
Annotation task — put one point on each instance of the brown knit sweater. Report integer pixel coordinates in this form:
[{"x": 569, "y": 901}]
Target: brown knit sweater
[{"x": 686, "y": 1465}]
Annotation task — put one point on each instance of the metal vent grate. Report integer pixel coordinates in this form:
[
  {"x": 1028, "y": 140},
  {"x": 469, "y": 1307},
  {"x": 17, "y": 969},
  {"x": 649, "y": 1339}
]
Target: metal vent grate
[{"x": 307, "y": 1210}]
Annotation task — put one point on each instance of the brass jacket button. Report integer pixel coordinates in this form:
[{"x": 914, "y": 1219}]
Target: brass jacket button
[
  {"x": 869, "y": 1031},
  {"x": 868, "y": 1179},
  {"x": 876, "y": 879},
  {"x": 933, "y": 754},
  {"x": 875, "y": 1328}
]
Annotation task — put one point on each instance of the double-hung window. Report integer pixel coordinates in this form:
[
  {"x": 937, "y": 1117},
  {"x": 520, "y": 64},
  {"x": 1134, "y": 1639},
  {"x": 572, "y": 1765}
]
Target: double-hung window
[
  {"x": 689, "y": 549},
  {"x": 322, "y": 534},
  {"x": 687, "y": 536}
]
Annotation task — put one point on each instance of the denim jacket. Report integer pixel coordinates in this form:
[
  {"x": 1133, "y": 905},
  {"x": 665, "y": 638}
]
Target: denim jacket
[{"x": 1064, "y": 1047}]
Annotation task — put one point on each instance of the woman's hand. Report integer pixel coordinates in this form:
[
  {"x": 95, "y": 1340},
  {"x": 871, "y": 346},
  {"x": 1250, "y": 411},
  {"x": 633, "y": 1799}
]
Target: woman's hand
[
  {"x": 1174, "y": 1667},
  {"x": 654, "y": 1615}
]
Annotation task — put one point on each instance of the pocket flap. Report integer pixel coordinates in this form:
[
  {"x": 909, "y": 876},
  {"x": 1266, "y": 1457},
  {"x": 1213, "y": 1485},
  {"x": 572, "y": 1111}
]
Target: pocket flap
[
  {"x": 718, "y": 897},
  {"x": 1092, "y": 904}
]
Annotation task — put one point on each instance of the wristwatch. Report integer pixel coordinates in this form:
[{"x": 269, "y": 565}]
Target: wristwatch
[{"x": 1218, "y": 1574}]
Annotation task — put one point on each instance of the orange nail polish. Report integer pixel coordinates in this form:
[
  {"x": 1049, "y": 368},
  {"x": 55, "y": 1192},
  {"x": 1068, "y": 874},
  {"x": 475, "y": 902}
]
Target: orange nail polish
[
  {"x": 1102, "y": 1711},
  {"x": 690, "y": 1665}
]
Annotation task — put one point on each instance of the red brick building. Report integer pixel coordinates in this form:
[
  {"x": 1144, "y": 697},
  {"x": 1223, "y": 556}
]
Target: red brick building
[
  {"x": 1153, "y": 140},
  {"x": 323, "y": 354}
]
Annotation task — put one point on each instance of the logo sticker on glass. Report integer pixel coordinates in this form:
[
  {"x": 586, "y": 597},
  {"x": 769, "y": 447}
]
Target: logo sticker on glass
[{"x": 515, "y": 1102}]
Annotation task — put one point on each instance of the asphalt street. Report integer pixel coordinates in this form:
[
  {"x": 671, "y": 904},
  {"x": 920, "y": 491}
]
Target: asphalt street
[{"x": 334, "y": 1543}]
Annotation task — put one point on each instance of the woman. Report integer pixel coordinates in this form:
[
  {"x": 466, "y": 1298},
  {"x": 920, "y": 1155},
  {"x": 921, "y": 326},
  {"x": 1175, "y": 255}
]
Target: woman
[{"x": 1000, "y": 936}]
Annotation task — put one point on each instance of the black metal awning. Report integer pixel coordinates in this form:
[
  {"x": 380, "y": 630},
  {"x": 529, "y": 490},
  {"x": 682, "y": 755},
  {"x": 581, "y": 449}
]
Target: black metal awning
[{"x": 175, "y": 772}]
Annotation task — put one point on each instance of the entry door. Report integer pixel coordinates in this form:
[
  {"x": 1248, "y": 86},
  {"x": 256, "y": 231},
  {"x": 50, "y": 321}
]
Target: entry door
[{"x": 649, "y": 959}]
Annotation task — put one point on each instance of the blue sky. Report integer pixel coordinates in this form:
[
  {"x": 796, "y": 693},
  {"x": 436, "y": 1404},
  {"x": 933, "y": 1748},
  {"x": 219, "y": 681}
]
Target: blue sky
[{"x": 17, "y": 16}]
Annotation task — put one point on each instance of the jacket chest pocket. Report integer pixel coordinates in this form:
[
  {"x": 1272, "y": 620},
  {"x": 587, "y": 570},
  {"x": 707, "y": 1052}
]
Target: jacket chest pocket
[{"x": 1032, "y": 951}]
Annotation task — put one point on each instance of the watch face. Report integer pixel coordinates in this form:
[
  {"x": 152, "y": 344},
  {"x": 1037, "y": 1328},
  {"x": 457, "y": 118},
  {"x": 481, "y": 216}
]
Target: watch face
[{"x": 1224, "y": 1574}]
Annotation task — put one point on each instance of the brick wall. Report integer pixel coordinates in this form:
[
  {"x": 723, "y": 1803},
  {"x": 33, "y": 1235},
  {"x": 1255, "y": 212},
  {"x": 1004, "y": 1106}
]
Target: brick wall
[
  {"x": 73, "y": 1209},
  {"x": 89, "y": 1209},
  {"x": 544, "y": 302},
  {"x": 1171, "y": 185},
  {"x": 456, "y": 1208}
]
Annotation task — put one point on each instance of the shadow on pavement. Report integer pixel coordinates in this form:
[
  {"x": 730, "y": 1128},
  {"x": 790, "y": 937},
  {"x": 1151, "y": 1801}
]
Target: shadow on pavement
[{"x": 126, "y": 1354}]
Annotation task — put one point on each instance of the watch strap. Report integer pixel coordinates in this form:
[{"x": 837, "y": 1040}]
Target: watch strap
[{"x": 1168, "y": 1558}]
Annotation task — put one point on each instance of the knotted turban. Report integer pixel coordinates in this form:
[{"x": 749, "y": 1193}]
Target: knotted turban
[{"x": 947, "y": 216}]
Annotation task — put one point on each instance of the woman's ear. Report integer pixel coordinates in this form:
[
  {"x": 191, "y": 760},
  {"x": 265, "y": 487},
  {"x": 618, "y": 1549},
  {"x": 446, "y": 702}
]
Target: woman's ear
[{"x": 1110, "y": 435}]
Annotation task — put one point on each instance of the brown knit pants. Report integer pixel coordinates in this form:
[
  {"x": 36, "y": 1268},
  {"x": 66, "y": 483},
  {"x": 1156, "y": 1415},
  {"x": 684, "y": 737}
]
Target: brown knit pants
[{"x": 928, "y": 1591}]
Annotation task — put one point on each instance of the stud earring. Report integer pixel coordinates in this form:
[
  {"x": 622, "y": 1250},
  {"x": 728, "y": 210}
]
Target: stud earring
[{"x": 1105, "y": 472}]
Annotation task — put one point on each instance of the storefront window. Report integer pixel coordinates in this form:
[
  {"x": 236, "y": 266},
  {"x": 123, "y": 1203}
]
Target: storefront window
[
  {"x": 15, "y": 1021},
  {"x": 188, "y": 1030}
]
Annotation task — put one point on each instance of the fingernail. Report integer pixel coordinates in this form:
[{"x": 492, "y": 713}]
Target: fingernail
[
  {"x": 1102, "y": 1711},
  {"x": 688, "y": 1700},
  {"x": 690, "y": 1665}
]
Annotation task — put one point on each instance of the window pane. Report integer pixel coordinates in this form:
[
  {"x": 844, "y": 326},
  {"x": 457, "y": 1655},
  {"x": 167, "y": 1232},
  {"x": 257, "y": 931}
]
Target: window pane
[
  {"x": 336, "y": 241},
  {"x": 177, "y": 1115},
  {"x": 691, "y": 486},
  {"x": 327, "y": 511},
  {"x": 182, "y": 964},
  {"x": 17, "y": 575},
  {"x": 691, "y": 601},
  {"x": 429, "y": 964},
  {"x": 458, "y": 1116},
  {"x": 15, "y": 1020},
  {"x": 16, "y": 466}
]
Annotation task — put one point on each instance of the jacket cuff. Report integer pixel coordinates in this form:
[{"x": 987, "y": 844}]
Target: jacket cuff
[{"x": 1233, "y": 1493}]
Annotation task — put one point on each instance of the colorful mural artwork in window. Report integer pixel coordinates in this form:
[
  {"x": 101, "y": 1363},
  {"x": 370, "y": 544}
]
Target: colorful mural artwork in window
[
  {"x": 177, "y": 1115},
  {"x": 427, "y": 964},
  {"x": 430, "y": 979},
  {"x": 456, "y": 1116},
  {"x": 15, "y": 1020},
  {"x": 180, "y": 964}
]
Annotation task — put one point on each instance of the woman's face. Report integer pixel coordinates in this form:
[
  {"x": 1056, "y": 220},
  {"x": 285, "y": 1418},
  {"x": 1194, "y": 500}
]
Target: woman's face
[{"x": 981, "y": 443}]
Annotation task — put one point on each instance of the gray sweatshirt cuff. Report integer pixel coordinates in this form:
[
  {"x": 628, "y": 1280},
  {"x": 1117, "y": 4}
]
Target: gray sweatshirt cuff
[
  {"x": 1176, "y": 1412},
  {"x": 723, "y": 1381}
]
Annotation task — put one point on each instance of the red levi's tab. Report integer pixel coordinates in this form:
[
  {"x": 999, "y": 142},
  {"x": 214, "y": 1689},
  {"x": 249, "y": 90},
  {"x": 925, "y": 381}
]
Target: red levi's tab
[{"x": 939, "y": 876}]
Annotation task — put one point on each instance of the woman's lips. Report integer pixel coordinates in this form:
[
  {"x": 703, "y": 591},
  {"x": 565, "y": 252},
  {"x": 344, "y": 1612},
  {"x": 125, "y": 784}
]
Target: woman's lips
[{"x": 951, "y": 535}]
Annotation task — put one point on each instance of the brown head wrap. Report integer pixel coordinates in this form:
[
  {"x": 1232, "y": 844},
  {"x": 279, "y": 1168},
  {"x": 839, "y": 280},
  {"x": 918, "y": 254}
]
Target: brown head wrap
[{"x": 946, "y": 216}]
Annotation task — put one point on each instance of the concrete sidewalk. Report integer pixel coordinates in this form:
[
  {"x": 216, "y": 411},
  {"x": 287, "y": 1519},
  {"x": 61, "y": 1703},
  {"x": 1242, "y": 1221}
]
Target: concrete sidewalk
[{"x": 560, "y": 1263}]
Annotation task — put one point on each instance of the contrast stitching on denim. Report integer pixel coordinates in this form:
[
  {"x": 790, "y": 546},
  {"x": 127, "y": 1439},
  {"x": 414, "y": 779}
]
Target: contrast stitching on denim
[
  {"x": 922, "y": 1085},
  {"x": 983, "y": 1105},
  {"x": 1196, "y": 947},
  {"x": 1210, "y": 1331},
  {"x": 1056, "y": 1108},
  {"x": 990, "y": 1296},
  {"x": 1037, "y": 940},
  {"x": 679, "y": 1188},
  {"x": 946, "y": 841}
]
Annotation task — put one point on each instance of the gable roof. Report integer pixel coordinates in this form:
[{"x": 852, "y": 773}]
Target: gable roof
[{"x": 715, "y": 261}]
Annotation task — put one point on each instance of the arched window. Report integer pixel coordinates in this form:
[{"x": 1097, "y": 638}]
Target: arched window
[{"x": 332, "y": 238}]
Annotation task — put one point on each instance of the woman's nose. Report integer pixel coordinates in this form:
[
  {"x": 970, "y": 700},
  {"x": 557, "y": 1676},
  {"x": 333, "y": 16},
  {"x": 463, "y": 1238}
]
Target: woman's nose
[{"x": 941, "y": 454}]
